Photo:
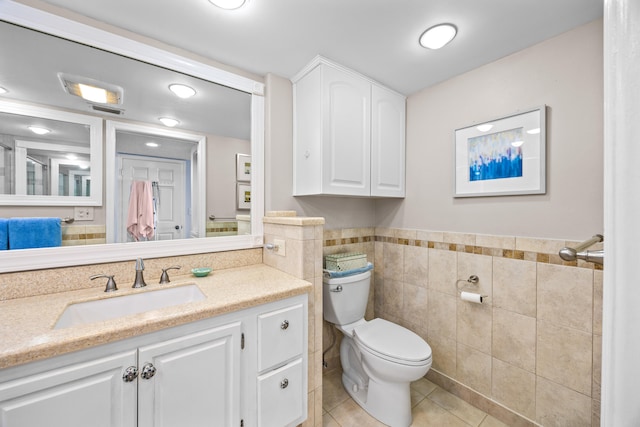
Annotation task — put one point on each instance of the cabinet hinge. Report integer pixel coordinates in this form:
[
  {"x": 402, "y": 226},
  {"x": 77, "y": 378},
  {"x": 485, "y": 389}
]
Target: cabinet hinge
[
  {"x": 241, "y": 423},
  {"x": 242, "y": 341}
]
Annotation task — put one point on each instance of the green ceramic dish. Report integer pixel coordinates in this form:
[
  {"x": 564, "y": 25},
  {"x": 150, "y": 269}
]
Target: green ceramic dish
[{"x": 201, "y": 272}]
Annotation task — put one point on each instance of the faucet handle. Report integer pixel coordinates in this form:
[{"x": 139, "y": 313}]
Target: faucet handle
[
  {"x": 164, "y": 277},
  {"x": 111, "y": 284}
]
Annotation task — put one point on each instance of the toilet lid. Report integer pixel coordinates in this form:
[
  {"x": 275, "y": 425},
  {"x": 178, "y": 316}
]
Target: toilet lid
[{"x": 392, "y": 341}]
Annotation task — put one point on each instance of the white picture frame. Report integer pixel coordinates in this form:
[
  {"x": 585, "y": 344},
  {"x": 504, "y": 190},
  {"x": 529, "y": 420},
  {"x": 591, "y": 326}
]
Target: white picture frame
[
  {"x": 243, "y": 167},
  {"x": 243, "y": 196},
  {"x": 502, "y": 157}
]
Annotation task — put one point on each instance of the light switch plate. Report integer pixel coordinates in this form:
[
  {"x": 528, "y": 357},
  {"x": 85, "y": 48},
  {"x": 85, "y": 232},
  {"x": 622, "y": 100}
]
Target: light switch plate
[{"x": 83, "y": 213}]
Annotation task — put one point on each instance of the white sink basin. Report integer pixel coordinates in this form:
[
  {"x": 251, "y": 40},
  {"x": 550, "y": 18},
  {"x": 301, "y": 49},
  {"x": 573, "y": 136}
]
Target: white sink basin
[{"x": 111, "y": 308}]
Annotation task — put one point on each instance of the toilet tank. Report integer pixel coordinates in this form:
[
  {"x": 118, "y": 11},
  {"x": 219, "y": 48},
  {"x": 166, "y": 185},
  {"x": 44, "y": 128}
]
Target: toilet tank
[{"x": 345, "y": 298}]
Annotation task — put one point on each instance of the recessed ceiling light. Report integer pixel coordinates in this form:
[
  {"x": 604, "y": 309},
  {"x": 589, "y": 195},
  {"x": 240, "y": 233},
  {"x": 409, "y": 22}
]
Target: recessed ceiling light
[
  {"x": 438, "y": 36},
  {"x": 151, "y": 144},
  {"x": 533, "y": 131},
  {"x": 182, "y": 91},
  {"x": 485, "y": 127},
  {"x": 517, "y": 143},
  {"x": 3, "y": 90},
  {"x": 38, "y": 130},
  {"x": 167, "y": 121},
  {"x": 228, "y": 4}
]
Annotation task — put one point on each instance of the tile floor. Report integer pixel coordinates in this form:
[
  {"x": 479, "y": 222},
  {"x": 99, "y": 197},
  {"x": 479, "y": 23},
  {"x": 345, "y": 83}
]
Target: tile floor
[{"x": 432, "y": 406}]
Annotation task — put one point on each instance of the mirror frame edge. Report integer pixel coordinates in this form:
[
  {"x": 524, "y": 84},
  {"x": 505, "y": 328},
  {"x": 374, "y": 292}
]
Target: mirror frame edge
[{"x": 35, "y": 259}]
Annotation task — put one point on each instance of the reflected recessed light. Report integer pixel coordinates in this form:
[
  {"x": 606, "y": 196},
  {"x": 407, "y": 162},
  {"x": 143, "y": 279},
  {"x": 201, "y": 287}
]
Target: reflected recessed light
[
  {"x": 182, "y": 91},
  {"x": 3, "y": 90},
  {"x": 485, "y": 127},
  {"x": 533, "y": 131},
  {"x": 228, "y": 4},
  {"x": 72, "y": 157},
  {"x": 151, "y": 144},
  {"x": 167, "y": 121},
  {"x": 84, "y": 166},
  {"x": 438, "y": 36},
  {"x": 39, "y": 130},
  {"x": 517, "y": 143}
]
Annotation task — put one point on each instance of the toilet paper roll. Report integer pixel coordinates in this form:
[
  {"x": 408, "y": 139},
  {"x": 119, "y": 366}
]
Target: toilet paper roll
[{"x": 471, "y": 297}]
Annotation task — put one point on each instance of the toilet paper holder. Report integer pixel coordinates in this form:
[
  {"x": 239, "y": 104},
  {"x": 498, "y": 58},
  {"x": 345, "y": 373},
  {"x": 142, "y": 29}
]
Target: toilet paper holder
[{"x": 473, "y": 279}]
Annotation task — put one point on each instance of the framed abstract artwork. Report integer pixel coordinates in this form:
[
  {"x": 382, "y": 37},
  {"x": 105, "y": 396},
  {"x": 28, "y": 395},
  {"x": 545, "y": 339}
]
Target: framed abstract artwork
[{"x": 502, "y": 157}]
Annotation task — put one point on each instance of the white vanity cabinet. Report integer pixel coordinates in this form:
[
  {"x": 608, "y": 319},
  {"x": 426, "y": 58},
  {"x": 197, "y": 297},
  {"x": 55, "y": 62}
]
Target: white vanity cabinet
[
  {"x": 349, "y": 134},
  {"x": 247, "y": 368}
]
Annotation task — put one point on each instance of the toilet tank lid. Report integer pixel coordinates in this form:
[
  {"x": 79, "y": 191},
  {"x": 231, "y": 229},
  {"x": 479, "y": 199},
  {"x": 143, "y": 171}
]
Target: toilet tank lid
[{"x": 392, "y": 340}]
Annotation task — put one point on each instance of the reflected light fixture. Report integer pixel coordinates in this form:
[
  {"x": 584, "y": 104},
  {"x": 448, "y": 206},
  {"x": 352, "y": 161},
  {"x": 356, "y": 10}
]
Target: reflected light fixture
[
  {"x": 438, "y": 36},
  {"x": 151, "y": 144},
  {"x": 182, "y": 91},
  {"x": 228, "y": 4},
  {"x": 517, "y": 143},
  {"x": 485, "y": 127},
  {"x": 533, "y": 131},
  {"x": 38, "y": 130},
  {"x": 72, "y": 157},
  {"x": 3, "y": 90},
  {"x": 168, "y": 121}
]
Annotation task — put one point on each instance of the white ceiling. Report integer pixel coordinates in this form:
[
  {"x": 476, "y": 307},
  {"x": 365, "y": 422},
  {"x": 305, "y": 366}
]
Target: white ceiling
[{"x": 378, "y": 38}]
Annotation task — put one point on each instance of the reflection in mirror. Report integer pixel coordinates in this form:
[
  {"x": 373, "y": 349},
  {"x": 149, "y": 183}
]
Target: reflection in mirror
[
  {"x": 38, "y": 69},
  {"x": 47, "y": 156}
]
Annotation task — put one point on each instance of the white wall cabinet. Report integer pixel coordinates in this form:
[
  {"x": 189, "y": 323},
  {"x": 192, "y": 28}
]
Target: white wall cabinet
[
  {"x": 349, "y": 134},
  {"x": 247, "y": 368}
]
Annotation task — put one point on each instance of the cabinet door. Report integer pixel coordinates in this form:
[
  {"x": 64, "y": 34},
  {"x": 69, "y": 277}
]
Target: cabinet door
[
  {"x": 196, "y": 380},
  {"x": 387, "y": 143},
  {"x": 79, "y": 395},
  {"x": 346, "y": 131}
]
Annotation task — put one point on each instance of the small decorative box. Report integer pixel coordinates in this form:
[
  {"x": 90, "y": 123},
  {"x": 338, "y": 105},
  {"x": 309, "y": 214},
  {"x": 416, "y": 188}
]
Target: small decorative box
[{"x": 345, "y": 261}]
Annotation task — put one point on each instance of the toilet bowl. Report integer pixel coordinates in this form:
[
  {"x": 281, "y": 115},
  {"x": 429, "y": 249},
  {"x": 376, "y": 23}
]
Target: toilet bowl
[{"x": 379, "y": 358}]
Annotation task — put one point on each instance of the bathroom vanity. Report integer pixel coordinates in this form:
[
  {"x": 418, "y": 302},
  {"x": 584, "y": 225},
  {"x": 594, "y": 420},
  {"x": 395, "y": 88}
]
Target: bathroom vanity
[{"x": 236, "y": 358}]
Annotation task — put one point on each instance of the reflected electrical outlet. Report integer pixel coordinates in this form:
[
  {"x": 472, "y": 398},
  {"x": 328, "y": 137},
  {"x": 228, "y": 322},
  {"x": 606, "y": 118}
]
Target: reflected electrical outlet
[{"x": 83, "y": 213}]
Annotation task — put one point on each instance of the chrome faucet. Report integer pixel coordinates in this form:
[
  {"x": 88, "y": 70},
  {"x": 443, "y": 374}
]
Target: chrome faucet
[
  {"x": 111, "y": 284},
  {"x": 139, "y": 282},
  {"x": 164, "y": 278}
]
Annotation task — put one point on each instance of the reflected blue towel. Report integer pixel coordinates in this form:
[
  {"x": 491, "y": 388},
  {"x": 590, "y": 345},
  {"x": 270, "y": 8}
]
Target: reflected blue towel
[
  {"x": 4, "y": 234},
  {"x": 334, "y": 274},
  {"x": 34, "y": 233}
]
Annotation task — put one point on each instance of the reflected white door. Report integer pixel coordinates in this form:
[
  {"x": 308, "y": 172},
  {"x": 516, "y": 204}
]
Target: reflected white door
[{"x": 170, "y": 207}]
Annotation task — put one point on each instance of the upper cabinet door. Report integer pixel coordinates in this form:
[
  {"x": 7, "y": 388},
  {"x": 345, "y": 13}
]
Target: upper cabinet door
[
  {"x": 347, "y": 133},
  {"x": 387, "y": 143}
]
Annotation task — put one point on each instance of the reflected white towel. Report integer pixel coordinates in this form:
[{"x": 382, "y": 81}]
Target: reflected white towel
[{"x": 140, "y": 216}]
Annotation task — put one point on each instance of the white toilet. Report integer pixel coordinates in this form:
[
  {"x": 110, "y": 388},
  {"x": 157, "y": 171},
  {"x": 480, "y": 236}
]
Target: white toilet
[{"x": 379, "y": 358}]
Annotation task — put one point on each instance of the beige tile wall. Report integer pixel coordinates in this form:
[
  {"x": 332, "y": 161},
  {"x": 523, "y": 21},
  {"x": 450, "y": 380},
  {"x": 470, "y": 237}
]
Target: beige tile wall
[
  {"x": 533, "y": 347},
  {"x": 75, "y": 235},
  {"x": 303, "y": 259}
]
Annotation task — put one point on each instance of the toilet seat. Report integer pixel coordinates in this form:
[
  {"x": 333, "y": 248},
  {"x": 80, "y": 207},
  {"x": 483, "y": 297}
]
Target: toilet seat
[{"x": 392, "y": 342}]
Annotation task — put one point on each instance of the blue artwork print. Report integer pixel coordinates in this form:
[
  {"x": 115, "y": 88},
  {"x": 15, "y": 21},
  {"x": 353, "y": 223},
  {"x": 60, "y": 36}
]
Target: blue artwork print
[{"x": 495, "y": 156}]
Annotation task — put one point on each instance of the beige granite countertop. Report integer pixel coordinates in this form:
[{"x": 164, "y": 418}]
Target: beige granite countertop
[{"x": 26, "y": 326}]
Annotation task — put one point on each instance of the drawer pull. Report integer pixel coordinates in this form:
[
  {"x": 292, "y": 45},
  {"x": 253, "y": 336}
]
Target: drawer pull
[
  {"x": 130, "y": 374},
  {"x": 284, "y": 383},
  {"x": 148, "y": 371},
  {"x": 284, "y": 325}
]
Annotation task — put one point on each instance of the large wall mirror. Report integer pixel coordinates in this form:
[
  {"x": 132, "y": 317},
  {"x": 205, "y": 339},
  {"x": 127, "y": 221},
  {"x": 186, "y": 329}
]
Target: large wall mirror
[{"x": 99, "y": 149}]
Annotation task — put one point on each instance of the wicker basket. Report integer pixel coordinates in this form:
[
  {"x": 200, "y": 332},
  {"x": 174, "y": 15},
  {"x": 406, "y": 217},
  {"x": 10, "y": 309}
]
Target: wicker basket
[{"x": 345, "y": 261}]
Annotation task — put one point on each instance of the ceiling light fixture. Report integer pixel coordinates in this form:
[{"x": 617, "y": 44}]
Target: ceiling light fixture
[
  {"x": 182, "y": 91},
  {"x": 151, "y": 144},
  {"x": 91, "y": 90},
  {"x": 167, "y": 121},
  {"x": 485, "y": 127},
  {"x": 438, "y": 36},
  {"x": 228, "y": 4},
  {"x": 533, "y": 131},
  {"x": 38, "y": 130}
]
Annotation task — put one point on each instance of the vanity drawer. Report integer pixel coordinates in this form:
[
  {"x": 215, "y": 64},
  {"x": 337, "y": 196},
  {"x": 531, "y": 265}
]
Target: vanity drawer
[
  {"x": 280, "y": 336},
  {"x": 280, "y": 396}
]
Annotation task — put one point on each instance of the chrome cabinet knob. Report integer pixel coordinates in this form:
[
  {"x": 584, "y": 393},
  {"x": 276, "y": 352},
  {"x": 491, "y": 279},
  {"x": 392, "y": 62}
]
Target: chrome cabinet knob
[
  {"x": 284, "y": 325},
  {"x": 148, "y": 371},
  {"x": 130, "y": 374},
  {"x": 284, "y": 383}
]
